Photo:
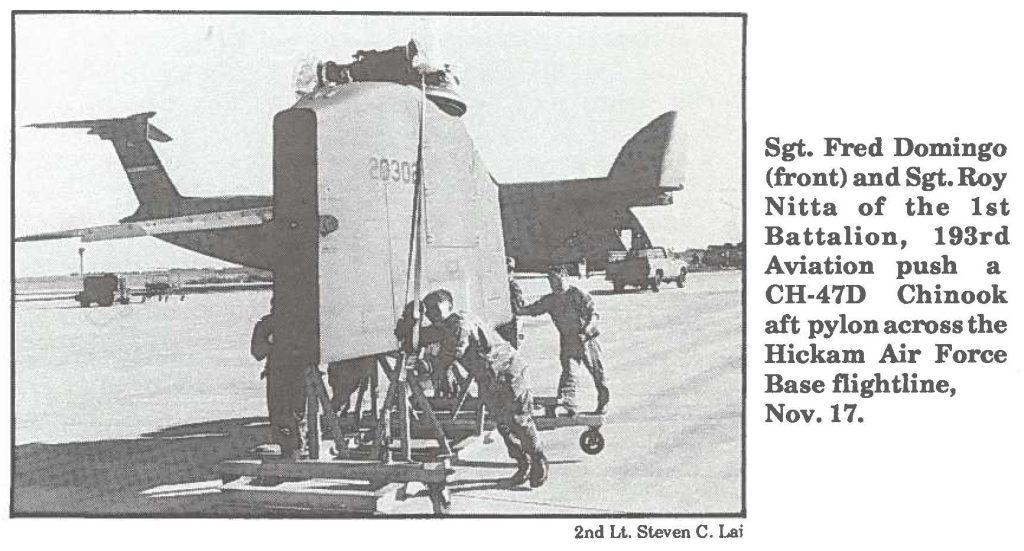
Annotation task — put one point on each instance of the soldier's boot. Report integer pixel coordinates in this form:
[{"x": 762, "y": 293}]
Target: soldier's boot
[
  {"x": 567, "y": 403},
  {"x": 522, "y": 473},
  {"x": 602, "y": 400},
  {"x": 290, "y": 448},
  {"x": 293, "y": 440},
  {"x": 538, "y": 470},
  {"x": 283, "y": 444}
]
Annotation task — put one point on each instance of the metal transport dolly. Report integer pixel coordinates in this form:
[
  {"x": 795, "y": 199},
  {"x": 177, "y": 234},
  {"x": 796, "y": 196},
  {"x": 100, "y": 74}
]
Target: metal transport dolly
[
  {"x": 591, "y": 440},
  {"x": 471, "y": 419}
]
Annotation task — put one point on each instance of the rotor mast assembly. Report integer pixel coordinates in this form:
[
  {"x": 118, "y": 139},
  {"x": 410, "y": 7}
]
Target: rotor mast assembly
[{"x": 403, "y": 65}]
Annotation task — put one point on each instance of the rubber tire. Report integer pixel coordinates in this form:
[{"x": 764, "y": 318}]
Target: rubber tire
[{"x": 591, "y": 442}]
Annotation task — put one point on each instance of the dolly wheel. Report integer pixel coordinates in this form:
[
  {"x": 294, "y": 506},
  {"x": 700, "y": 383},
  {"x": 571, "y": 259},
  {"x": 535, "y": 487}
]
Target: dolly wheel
[{"x": 591, "y": 442}]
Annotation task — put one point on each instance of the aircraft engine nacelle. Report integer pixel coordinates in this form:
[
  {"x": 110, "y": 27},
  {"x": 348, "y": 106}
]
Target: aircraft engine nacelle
[{"x": 345, "y": 170}]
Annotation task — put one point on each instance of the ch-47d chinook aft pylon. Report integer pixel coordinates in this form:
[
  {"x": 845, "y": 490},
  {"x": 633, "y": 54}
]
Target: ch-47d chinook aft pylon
[{"x": 379, "y": 195}]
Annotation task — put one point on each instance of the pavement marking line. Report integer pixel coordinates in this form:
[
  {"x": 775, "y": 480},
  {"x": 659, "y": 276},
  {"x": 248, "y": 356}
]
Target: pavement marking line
[{"x": 184, "y": 489}]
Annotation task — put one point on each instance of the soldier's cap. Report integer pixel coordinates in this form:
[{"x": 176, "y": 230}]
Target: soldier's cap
[
  {"x": 438, "y": 296},
  {"x": 556, "y": 269}
]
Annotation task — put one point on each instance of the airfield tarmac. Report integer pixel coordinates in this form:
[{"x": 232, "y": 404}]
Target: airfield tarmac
[{"x": 126, "y": 410}]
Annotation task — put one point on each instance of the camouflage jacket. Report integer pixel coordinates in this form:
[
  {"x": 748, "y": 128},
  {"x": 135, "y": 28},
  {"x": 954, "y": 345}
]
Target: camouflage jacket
[
  {"x": 476, "y": 347},
  {"x": 262, "y": 338},
  {"x": 571, "y": 310}
]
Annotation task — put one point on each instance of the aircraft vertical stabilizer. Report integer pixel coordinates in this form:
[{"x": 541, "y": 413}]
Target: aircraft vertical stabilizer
[
  {"x": 653, "y": 157},
  {"x": 130, "y": 136},
  {"x": 563, "y": 221}
]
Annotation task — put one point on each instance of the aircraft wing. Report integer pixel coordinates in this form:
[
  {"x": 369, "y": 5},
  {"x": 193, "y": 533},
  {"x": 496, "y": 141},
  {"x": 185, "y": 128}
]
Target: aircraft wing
[{"x": 160, "y": 226}]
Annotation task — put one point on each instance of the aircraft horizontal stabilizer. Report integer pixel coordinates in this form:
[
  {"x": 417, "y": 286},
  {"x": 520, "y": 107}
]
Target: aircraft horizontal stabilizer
[
  {"x": 109, "y": 128},
  {"x": 160, "y": 226}
]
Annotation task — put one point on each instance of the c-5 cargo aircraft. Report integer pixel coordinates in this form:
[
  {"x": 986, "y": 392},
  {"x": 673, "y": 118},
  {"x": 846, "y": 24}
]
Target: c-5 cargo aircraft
[{"x": 544, "y": 223}]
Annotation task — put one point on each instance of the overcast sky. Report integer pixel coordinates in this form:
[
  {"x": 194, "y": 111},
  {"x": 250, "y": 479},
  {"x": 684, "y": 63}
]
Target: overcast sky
[{"x": 549, "y": 98}]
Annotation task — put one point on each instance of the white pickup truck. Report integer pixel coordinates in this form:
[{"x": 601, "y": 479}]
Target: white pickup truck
[{"x": 644, "y": 268}]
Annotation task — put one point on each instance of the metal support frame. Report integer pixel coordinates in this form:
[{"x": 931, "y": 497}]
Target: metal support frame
[
  {"x": 405, "y": 387},
  {"x": 382, "y": 469},
  {"x": 316, "y": 399}
]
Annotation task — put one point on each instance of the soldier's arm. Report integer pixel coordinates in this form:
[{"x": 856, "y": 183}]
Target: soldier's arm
[
  {"x": 431, "y": 334},
  {"x": 516, "y": 296},
  {"x": 585, "y": 305},
  {"x": 453, "y": 346},
  {"x": 259, "y": 346},
  {"x": 541, "y": 306}
]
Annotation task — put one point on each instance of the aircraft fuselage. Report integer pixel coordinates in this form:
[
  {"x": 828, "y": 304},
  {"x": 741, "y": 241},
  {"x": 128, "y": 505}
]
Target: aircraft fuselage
[{"x": 248, "y": 246}]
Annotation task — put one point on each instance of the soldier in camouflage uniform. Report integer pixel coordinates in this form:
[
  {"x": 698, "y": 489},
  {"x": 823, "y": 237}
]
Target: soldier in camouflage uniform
[
  {"x": 572, "y": 311},
  {"x": 500, "y": 377},
  {"x": 286, "y": 394}
]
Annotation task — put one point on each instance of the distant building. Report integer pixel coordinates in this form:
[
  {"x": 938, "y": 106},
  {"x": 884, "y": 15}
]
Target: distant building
[{"x": 695, "y": 257}]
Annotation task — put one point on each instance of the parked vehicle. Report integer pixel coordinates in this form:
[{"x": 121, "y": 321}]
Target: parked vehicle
[
  {"x": 644, "y": 268},
  {"x": 103, "y": 289}
]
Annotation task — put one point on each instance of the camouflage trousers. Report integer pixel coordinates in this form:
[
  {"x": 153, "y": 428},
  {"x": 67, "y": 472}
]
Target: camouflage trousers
[
  {"x": 286, "y": 403},
  {"x": 511, "y": 407},
  {"x": 346, "y": 377},
  {"x": 574, "y": 353},
  {"x": 505, "y": 390}
]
